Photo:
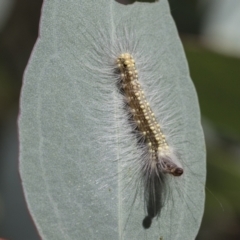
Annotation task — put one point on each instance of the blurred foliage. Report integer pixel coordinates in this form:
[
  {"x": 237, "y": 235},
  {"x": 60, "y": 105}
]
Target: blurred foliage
[
  {"x": 187, "y": 15},
  {"x": 9, "y": 90},
  {"x": 17, "y": 38},
  {"x": 216, "y": 78},
  {"x": 19, "y": 35}
]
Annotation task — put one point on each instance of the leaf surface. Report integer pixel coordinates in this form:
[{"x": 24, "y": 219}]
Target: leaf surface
[{"x": 72, "y": 191}]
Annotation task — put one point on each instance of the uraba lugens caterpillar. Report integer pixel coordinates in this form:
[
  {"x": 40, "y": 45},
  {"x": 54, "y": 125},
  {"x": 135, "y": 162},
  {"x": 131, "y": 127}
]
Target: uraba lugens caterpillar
[{"x": 159, "y": 161}]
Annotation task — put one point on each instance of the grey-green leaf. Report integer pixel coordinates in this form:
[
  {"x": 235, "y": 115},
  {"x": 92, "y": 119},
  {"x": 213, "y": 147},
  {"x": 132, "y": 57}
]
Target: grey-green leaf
[{"x": 69, "y": 166}]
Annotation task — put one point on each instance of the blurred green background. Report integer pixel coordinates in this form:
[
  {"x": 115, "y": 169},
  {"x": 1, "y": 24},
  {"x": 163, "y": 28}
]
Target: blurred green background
[{"x": 214, "y": 61}]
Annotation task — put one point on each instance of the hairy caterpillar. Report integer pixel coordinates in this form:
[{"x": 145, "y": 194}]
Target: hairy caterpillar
[{"x": 160, "y": 160}]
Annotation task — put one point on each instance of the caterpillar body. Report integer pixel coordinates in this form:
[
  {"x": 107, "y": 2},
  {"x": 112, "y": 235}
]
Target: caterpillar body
[{"x": 159, "y": 161}]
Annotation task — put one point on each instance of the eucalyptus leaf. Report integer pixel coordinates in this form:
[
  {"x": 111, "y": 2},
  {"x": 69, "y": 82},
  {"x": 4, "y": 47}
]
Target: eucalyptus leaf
[{"x": 71, "y": 190}]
